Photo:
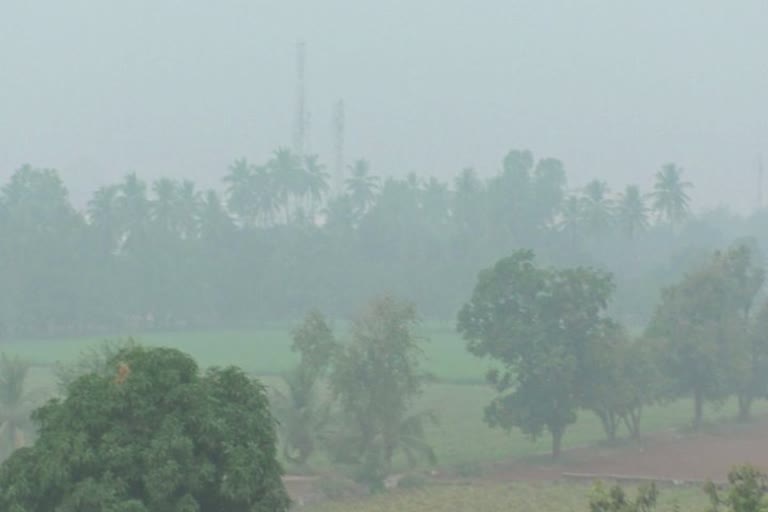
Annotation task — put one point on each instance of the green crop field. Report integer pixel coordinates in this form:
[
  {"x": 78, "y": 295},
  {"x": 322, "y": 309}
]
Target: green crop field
[{"x": 503, "y": 498}]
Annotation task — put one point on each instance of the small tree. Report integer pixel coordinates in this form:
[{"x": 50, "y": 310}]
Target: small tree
[
  {"x": 156, "y": 435},
  {"x": 623, "y": 380},
  {"x": 376, "y": 378},
  {"x": 746, "y": 492},
  {"x": 302, "y": 416},
  {"x": 539, "y": 323},
  {"x": 16, "y": 404}
]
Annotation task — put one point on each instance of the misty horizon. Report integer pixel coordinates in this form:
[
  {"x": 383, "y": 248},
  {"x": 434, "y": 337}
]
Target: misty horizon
[{"x": 183, "y": 89}]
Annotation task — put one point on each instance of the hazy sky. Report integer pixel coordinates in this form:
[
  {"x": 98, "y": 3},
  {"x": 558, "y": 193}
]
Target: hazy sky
[{"x": 96, "y": 88}]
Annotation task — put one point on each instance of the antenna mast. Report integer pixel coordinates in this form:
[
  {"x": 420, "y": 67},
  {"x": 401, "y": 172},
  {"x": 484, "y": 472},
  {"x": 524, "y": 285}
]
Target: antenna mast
[
  {"x": 300, "y": 123},
  {"x": 759, "y": 182},
  {"x": 338, "y": 131}
]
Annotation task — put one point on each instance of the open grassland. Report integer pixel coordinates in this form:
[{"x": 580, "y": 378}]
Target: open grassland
[
  {"x": 461, "y": 438},
  {"x": 261, "y": 351},
  {"x": 503, "y": 498}
]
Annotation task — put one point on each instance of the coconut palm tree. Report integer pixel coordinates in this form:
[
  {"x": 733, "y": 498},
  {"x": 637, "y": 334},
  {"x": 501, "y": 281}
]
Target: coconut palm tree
[
  {"x": 670, "y": 200},
  {"x": 163, "y": 205},
  {"x": 104, "y": 215},
  {"x": 597, "y": 207},
  {"x": 187, "y": 209},
  {"x": 632, "y": 211},
  {"x": 361, "y": 185},
  {"x": 317, "y": 180},
  {"x": 290, "y": 179}
]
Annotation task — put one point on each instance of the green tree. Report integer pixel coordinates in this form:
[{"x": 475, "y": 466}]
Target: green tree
[
  {"x": 376, "y": 377},
  {"x": 670, "y": 199},
  {"x": 632, "y": 212},
  {"x": 624, "y": 379},
  {"x": 16, "y": 404},
  {"x": 703, "y": 324},
  {"x": 538, "y": 323},
  {"x": 302, "y": 416},
  {"x": 157, "y": 435},
  {"x": 361, "y": 186},
  {"x": 746, "y": 492}
]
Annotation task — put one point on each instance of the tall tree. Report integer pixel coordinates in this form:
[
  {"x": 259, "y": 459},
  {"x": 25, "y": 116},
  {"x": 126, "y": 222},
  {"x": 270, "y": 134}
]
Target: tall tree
[
  {"x": 632, "y": 212},
  {"x": 362, "y": 185},
  {"x": 538, "y": 323},
  {"x": 670, "y": 199},
  {"x": 376, "y": 379}
]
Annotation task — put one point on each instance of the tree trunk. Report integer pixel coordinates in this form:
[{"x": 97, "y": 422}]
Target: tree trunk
[
  {"x": 557, "y": 442},
  {"x": 698, "y": 404},
  {"x": 745, "y": 407}
]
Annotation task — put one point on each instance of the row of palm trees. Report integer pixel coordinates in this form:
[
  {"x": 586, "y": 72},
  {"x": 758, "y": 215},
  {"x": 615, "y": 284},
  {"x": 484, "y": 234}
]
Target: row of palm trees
[
  {"x": 598, "y": 211},
  {"x": 288, "y": 189}
]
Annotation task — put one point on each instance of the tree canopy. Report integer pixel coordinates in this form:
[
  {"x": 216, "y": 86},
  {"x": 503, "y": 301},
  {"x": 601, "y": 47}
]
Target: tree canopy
[{"x": 155, "y": 435}]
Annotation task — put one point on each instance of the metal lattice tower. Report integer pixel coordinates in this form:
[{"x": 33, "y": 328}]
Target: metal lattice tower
[
  {"x": 300, "y": 122},
  {"x": 338, "y": 132},
  {"x": 759, "y": 182}
]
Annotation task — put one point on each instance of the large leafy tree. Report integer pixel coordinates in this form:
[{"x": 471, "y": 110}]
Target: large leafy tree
[
  {"x": 703, "y": 322},
  {"x": 670, "y": 196},
  {"x": 538, "y": 323},
  {"x": 156, "y": 435}
]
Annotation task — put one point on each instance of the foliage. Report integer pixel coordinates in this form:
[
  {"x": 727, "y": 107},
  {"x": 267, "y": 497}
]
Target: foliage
[
  {"x": 746, "y": 491},
  {"x": 155, "y": 435},
  {"x": 302, "y": 417},
  {"x": 624, "y": 379},
  {"x": 94, "y": 359},
  {"x": 616, "y": 500},
  {"x": 539, "y": 323},
  {"x": 704, "y": 324},
  {"x": 167, "y": 255},
  {"x": 16, "y": 404},
  {"x": 376, "y": 378}
]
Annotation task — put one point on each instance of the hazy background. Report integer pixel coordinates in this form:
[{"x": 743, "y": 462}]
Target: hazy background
[{"x": 96, "y": 88}]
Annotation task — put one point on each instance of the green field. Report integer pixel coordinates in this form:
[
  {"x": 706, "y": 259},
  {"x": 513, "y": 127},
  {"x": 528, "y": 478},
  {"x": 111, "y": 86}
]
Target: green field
[
  {"x": 458, "y": 399},
  {"x": 503, "y": 498},
  {"x": 263, "y": 351}
]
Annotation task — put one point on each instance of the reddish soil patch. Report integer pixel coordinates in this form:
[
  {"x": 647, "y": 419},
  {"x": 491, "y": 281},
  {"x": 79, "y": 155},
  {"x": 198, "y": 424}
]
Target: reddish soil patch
[{"x": 703, "y": 456}]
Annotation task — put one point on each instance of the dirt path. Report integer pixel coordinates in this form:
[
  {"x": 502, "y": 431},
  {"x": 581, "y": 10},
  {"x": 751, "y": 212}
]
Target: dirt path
[
  {"x": 696, "y": 457},
  {"x": 704, "y": 456}
]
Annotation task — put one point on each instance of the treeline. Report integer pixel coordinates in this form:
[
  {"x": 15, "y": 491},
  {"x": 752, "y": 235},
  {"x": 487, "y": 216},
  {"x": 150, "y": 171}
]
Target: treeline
[{"x": 278, "y": 241}]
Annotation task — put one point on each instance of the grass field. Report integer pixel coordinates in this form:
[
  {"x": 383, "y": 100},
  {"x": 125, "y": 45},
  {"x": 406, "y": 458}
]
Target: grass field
[
  {"x": 461, "y": 436},
  {"x": 504, "y": 498},
  {"x": 263, "y": 351}
]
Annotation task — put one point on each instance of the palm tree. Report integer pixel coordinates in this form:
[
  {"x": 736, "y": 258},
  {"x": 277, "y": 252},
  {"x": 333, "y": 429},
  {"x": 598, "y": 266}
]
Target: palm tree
[
  {"x": 632, "y": 212},
  {"x": 670, "y": 199},
  {"x": 597, "y": 207},
  {"x": 187, "y": 209},
  {"x": 104, "y": 214},
  {"x": 162, "y": 207},
  {"x": 214, "y": 219},
  {"x": 317, "y": 180},
  {"x": 15, "y": 404},
  {"x": 134, "y": 205},
  {"x": 240, "y": 193},
  {"x": 289, "y": 179},
  {"x": 361, "y": 185}
]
